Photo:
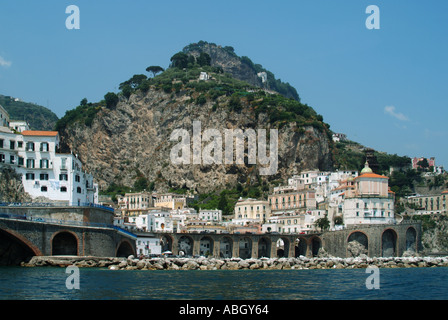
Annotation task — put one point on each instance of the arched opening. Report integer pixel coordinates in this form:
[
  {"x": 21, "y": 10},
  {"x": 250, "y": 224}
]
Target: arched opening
[
  {"x": 316, "y": 244},
  {"x": 225, "y": 248},
  {"x": 264, "y": 248},
  {"x": 206, "y": 247},
  {"x": 411, "y": 239},
  {"x": 280, "y": 246},
  {"x": 245, "y": 248},
  {"x": 185, "y": 246},
  {"x": 389, "y": 243},
  {"x": 64, "y": 244},
  {"x": 13, "y": 251},
  {"x": 283, "y": 252},
  {"x": 300, "y": 247},
  {"x": 125, "y": 250},
  {"x": 357, "y": 244},
  {"x": 166, "y": 243}
]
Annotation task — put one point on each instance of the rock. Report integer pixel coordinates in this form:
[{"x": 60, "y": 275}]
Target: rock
[
  {"x": 141, "y": 264},
  {"x": 158, "y": 266},
  {"x": 254, "y": 266},
  {"x": 356, "y": 249},
  {"x": 232, "y": 265},
  {"x": 191, "y": 265}
]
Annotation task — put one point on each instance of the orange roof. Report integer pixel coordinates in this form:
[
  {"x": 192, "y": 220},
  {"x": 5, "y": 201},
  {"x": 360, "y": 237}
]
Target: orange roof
[
  {"x": 371, "y": 175},
  {"x": 40, "y": 133},
  {"x": 446, "y": 191}
]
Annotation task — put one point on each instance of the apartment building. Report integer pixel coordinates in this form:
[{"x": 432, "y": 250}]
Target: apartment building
[
  {"x": 45, "y": 172},
  {"x": 251, "y": 211},
  {"x": 429, "y": 204}
]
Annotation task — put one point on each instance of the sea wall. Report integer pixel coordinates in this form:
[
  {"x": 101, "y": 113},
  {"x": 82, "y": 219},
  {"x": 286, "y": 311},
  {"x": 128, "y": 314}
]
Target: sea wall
[{"x": 202, "y": 263}]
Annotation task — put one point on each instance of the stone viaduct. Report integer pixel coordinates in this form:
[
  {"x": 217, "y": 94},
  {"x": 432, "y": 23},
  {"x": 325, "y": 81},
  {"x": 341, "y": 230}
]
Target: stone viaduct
[
  {"x": 48, "y": 231},
  {"x": 89, "y": 231},
  {"x": 375, "y": 240}
]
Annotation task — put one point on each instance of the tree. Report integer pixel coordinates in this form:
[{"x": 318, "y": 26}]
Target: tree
[
  {"x": 423, "y": 164},
  {"x": 338, "y": 220},
  {"x": 204, "y": 59},
  {"x": 127, "y": 91},
  {"x": 133, "y": 82},
  {"x": 223, "y": 204},
  {"x": 323, "y": 223},
  {"x": 179, "y": 60},
  {"x": 83, "y": 102},
  {"x": 154, "y": 70},
  {"x": 111, "y": 100}
]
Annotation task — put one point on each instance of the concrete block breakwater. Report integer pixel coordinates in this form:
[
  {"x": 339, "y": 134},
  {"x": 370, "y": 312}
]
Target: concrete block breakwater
[{"x": 202, "y": 263}]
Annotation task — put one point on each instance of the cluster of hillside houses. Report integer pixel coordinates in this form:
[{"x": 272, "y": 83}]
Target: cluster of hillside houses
[{"x": 343, "y": 198}]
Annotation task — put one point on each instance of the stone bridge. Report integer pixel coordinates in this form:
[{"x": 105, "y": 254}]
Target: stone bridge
[
  {"x": 372, "y": 240},
  {"x": 48, "y": 231}
]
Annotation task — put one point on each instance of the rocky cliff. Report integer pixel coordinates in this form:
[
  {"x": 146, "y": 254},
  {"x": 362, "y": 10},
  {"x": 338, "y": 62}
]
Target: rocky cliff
[
  {"x": 11, "y": 188},
  {"x": 133, "y": 140}
]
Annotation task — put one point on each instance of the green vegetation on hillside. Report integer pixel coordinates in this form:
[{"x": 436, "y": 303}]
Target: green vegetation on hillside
[
  {"x": 38, "y": 117},
  {"x": 84, "y": 113}
]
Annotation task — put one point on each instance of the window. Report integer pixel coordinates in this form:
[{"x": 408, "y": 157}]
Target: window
[
  {"x": 63, "y": 163},
  {"x": 30, "y": 163},
  {"x": 29, "y": 176},
  {"x": 43, "y": 176},
  {"x": 43, "y": 189},
  {"x": 29, "y": 146},
  {"x": 78, "y": 189},
  {"x": 20, "y": 161},
  {"x": 12, "y": 144},
  {"x": 63, "y": 189},
  {"x": 2, "y": 158},
  {"x": 1, "y": 143},
  {"x": 12, "y": 159},
  {"x": 44, "y": 164},
  {"x": 63, "y": 177},
  {"x": 77, "y": 178},
  {"x": 44, "y": 146},
  {"x": 19, "y": 144}
]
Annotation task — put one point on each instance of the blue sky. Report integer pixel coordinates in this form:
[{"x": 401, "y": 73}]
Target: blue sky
[{"x": 384, "y": 88}]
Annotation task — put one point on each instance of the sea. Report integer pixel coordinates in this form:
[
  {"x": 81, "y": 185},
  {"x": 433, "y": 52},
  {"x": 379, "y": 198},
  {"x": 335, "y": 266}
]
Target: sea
[
  {"x": 57, "y": 283},
  {"x": 250, "y": 288}
]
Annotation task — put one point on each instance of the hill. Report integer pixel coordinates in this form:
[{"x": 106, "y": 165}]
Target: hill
[
  {"x": 38, "y": 117},
  {"x": 124, "y": 140}
]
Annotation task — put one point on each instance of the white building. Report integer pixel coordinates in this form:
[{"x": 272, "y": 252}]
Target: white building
[
  {"x": 147, "y": 246},
  {"x": 210, "y": 215},
  {"x": 18, "y": 125},
  {"x": 45, "y": 173}
]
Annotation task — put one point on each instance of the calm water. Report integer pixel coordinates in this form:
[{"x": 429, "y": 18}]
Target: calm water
[{"x": 50, "y": 283}]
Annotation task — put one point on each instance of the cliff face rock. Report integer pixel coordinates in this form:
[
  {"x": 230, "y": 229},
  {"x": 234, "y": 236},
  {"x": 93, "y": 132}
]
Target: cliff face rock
[
  {"x": 133, "y": 139},
  {"x": 11, "y": 188}
]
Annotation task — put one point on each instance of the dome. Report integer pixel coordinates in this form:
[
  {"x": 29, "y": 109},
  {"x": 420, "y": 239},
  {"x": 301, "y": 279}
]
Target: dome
[{"x": 366, "y": 168}]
